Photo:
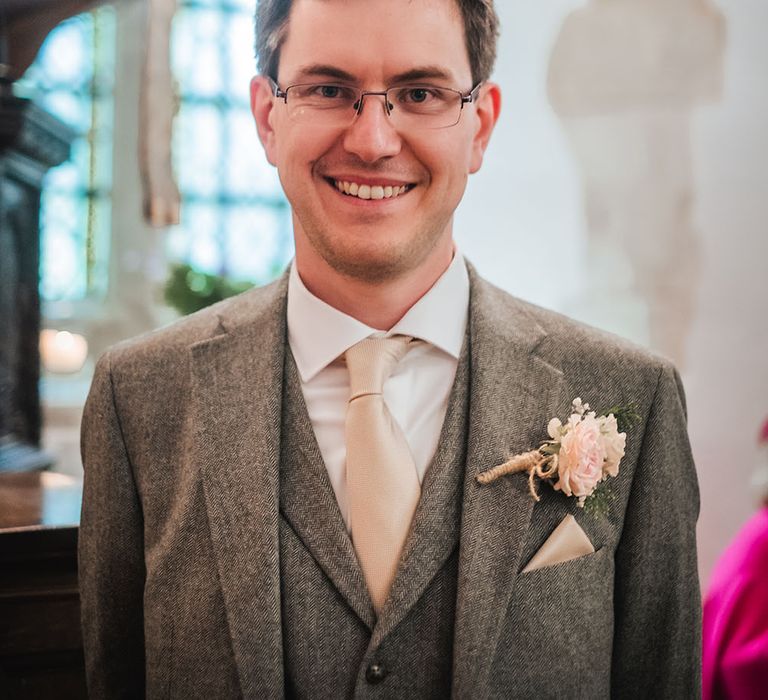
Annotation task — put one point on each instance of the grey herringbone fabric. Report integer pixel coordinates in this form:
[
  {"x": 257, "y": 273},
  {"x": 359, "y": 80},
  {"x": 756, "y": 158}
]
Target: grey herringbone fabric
[
  {"x": 182, "y": 542},
  {"x": 178, "y": 539}
]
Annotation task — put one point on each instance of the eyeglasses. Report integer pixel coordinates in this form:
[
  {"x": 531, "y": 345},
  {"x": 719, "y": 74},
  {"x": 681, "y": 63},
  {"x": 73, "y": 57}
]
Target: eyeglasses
[{"x": 408, "y": 106}]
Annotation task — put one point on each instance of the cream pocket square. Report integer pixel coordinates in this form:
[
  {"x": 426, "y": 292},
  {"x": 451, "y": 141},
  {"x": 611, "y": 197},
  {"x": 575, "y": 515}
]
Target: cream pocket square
[{"x": 567, "y": 541}]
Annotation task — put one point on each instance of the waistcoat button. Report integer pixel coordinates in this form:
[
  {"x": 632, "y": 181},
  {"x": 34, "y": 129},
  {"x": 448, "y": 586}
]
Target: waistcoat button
[{"x": 375, "y": 673}]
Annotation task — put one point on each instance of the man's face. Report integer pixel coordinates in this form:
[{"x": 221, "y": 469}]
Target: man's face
[{"x": 375, "y": 43}]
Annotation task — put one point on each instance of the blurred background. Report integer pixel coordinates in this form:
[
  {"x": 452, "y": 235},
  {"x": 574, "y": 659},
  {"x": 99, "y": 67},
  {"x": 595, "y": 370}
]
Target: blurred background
[{"x": 625, "y": 186}]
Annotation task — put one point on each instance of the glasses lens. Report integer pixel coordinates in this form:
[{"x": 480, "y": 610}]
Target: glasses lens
[
  {"x": 322, "y": 97},
  {"x": 425, "y": 105},
  {"x": 320, "y": 103}
]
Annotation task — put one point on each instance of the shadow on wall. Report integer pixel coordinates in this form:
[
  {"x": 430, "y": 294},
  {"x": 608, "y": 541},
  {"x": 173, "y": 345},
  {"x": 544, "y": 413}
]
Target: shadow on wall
[{"x": 625, "y": 77}]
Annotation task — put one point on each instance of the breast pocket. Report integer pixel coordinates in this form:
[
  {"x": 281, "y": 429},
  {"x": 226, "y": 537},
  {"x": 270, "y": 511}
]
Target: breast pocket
[
  {"x": 570, "y": 596},
  {"x": 573, "y": 599},
  {"x": 582, "y": 563},
  {"x": 565, "y": 612},
  {"x": 578, "y": 582}
]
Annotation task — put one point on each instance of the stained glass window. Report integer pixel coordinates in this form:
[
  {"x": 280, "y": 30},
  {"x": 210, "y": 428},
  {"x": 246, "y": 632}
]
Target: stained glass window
[
  {"x": 73, "y": 78},
  {"x": 235, "y": 220}
]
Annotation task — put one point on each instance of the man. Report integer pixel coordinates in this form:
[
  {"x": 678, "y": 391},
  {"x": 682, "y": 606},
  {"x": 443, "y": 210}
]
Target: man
[{"x": 281, "y": 494}]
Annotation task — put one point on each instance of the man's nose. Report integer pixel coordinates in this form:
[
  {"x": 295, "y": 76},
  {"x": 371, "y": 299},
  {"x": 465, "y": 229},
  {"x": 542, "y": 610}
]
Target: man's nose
[{"x": 372, "y": 135}]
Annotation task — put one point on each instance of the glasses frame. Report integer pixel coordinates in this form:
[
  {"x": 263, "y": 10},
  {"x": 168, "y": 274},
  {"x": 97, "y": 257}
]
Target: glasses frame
[{"x": 466, "y": 98}]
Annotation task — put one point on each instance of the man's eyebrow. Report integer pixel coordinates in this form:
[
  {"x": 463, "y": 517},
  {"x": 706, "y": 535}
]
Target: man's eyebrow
[
  {"x": 422, "y": 73},
  {"x": 322, "y": 70}
]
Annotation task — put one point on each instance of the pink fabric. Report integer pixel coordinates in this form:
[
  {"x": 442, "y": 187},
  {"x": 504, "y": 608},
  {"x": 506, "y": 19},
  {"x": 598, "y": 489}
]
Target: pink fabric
[
  {"x": 763, "y": 439},
  {"x": 735, "y": 635}
]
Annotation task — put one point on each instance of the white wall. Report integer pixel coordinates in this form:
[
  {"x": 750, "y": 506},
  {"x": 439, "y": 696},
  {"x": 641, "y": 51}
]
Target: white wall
[{"x": 660, "y": 127}]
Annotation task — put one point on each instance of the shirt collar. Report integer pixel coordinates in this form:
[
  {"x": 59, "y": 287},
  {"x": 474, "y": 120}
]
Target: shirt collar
[{"x": 318, "y": 333}]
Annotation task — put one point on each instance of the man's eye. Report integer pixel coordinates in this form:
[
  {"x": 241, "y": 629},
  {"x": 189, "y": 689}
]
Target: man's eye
[
  {"x": 329, "y": 91},
  {"x": 417, "y": 95},
  {"x": 423, "y": 95}
]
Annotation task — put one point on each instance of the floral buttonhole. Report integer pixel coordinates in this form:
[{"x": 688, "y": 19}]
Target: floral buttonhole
[{"x": 579, "y": 457}]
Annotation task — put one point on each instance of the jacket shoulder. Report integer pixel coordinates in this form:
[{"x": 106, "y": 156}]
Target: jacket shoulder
[
  {"x": 573, "y": 341},
  {"x": 251, "y": 308},
  {"x": 601, "y": 367}
]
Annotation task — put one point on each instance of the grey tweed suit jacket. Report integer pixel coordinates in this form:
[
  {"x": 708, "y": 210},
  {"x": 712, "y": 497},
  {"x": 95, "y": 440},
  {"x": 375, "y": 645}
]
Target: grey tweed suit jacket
[{"x": 179, "y": 547}]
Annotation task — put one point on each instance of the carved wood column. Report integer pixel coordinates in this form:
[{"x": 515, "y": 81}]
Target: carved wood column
[{"x": 31, "y": 142}]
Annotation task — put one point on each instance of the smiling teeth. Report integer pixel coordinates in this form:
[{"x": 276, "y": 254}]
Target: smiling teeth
[{"x": 369, "y": 191}]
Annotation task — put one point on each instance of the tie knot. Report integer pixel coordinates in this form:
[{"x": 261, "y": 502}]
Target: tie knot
[{"x": 371, "y": 361}]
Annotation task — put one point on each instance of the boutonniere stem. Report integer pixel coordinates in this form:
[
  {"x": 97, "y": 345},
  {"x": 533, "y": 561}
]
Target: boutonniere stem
[{"x": 534, "y": 462}]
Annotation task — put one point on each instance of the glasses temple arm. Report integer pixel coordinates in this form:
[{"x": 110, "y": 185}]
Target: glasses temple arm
[
  {"x": 471, "y": 96},
  {"x": 276, "y": 91}
]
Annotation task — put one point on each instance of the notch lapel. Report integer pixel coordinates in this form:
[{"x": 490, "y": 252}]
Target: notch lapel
[
  {"x": 237, "y": 390},
  {"x": 514, "y": 393}
]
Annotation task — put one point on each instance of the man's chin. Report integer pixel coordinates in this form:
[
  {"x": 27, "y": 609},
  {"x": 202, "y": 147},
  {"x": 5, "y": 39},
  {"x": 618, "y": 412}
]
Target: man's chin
[
  {"x": 376, "y": 268},
  {"x": 375, "y": 254}
]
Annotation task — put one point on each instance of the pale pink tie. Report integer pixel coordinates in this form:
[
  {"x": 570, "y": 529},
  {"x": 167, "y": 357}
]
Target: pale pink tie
[{"x": 382, "y": 484}]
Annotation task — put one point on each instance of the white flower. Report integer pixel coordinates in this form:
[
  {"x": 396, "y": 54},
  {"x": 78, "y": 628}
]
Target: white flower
[
  {"x": 555, "y": 429},
  {"x": 613, "y": 442},
  {"x": 578, "y": 407}
]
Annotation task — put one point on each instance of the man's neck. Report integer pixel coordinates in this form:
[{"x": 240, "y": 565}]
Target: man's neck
[{"x": 379, "y": 305}]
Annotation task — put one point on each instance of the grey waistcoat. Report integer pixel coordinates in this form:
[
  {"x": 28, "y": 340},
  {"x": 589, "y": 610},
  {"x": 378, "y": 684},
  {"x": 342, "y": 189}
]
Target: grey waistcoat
[{"x": 334, "y": 647}]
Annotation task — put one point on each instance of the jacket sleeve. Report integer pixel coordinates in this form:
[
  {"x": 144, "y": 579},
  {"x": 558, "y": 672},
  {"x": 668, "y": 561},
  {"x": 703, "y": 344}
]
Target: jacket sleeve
[
  {"x": 111, "y": 559},
  {"x": 657, "y": 602}
]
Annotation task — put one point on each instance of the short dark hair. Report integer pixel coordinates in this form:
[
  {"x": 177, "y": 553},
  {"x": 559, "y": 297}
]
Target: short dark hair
[{"x": 481, "y": 29}]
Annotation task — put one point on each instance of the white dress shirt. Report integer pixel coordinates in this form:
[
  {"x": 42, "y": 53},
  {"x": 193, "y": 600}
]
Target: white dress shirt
[{"x": 417, "y": 391}]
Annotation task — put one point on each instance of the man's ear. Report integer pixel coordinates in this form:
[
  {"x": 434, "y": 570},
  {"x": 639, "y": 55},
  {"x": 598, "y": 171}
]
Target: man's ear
[
  {"x": 488, "y": 108},
  {"x": 262, "y": 101}
]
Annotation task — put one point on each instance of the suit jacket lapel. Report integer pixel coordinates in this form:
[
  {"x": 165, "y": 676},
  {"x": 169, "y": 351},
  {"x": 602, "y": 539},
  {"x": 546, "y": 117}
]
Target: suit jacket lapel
[
  {"x": 309, "y": 503},
  {"x": 513, "y": 394},
  {"x": 237, "y": 380}
]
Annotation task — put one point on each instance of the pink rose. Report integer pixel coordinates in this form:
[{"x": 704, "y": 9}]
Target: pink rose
[
  {"x": 581, "y": 456},
  {"x": 614, "y": 443}
]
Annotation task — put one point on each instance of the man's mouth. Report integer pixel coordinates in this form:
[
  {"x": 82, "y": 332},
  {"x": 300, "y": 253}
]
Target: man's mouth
[{"x": 369, "y": 191}]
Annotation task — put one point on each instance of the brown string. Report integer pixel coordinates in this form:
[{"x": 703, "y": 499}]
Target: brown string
[{"x": 534, "y": 462}]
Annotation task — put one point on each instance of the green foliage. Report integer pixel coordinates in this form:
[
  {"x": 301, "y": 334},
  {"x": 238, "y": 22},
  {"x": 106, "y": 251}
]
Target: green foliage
[
  {"x": 550, "y": 447},
  {"x": 599, "y": 503},
  {"x": 626, "y": 416},
  {"x": 188, "y": 290}
]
